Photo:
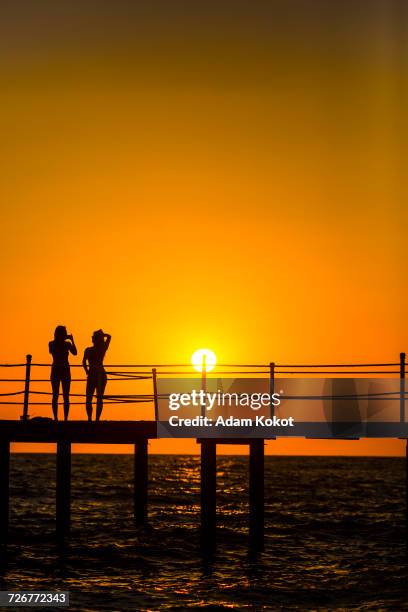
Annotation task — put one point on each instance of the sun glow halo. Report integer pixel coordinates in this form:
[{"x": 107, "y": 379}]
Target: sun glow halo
[{"x": 197, "y": 360}]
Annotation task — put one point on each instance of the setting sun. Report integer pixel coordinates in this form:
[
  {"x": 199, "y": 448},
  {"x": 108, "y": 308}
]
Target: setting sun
[{"x": 198, "y": 357}]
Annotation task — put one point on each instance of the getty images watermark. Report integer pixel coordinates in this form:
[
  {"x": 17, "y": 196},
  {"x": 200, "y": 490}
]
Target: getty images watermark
[
  {"x": 207, "y": 401},
  {"x": 221, "y": 407}
]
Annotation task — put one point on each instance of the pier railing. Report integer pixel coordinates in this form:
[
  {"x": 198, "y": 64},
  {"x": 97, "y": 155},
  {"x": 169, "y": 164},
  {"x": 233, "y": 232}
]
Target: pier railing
[{"x": 30, "y": 388}]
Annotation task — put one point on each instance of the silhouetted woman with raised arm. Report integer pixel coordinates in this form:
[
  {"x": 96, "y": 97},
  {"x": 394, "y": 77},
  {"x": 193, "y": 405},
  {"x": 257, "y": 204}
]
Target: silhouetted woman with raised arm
[
  {"x": 93, "y": 365},
  {"x": 60, "y": 347}
]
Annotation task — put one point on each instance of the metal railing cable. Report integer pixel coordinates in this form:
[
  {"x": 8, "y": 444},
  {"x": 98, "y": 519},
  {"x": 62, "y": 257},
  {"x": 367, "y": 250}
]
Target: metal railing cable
[{"x": 146, "y": 372}]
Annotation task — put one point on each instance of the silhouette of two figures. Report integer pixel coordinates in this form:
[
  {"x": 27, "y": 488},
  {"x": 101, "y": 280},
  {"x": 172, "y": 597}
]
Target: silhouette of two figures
[{"x": 60, "y": 348}]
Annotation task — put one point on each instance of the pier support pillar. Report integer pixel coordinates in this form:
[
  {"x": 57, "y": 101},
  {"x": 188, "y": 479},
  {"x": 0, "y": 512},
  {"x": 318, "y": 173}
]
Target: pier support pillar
[
  {"x": 63, "y": 491},
  {"x": 208, "y": 495},
  {"x": 406, "y": 498},
  {"x": 140, "y": 482},
  {"x": 256, "y": 494},
  {"x": 4, "y": 490}
]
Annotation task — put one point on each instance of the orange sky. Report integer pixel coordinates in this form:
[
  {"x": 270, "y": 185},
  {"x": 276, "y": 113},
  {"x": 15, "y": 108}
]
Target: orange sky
[{"x": 187, "y": 177}]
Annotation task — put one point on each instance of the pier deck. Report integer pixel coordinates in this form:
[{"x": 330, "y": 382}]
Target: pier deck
[{"x": 103, "y": 432}]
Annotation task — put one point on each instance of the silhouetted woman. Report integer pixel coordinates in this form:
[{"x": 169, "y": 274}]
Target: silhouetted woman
[
  {"x": 93, "y": 365},
  {"x": 60, "y": 347}
]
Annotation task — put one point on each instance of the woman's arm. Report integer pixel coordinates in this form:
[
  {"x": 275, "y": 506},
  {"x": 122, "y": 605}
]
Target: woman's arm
[
  {"x": 72, "y": 347},
  {"x": 51, "y": 347},
  {"x": 85, "y": 361},
  {"x": 107, "y": 340}
]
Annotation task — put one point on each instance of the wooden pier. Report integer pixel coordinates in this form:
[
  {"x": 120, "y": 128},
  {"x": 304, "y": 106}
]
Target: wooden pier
[{"x": 138, "y": 433}]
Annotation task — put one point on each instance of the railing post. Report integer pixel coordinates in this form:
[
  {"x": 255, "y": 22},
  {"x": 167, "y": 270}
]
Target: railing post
[
  {"x": 402, "y": 387},
  {"x": 156, "y": 402},
  {"x": 204, "y": 383},
  {"x": 27, "y": 387},
  {"x": 271, "y": 387}
]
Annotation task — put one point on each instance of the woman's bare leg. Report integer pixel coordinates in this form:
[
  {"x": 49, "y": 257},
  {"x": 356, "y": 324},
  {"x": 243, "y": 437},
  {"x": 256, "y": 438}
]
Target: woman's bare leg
[
  {"x": 99, "y": 395},
  {"x": 55, "y": 383},
  {"x": 89, "y": 408},
  {"x": 66, "y": 385},
  {"x": 90, "y": 390}
]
